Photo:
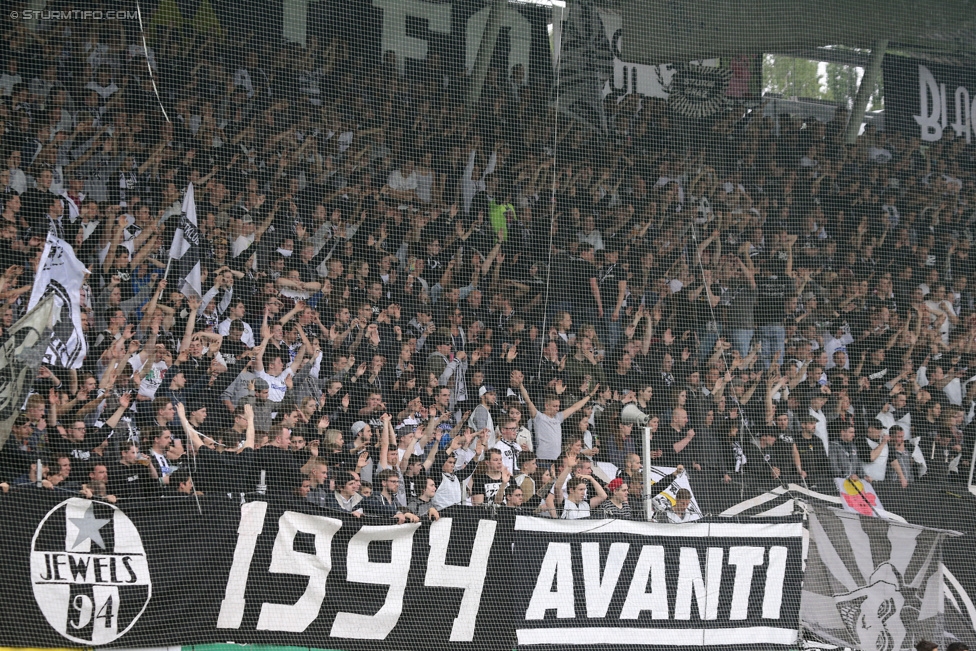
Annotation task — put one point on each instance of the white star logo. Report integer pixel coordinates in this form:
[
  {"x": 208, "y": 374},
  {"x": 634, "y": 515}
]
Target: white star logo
[{"x": 88, "y": 528}]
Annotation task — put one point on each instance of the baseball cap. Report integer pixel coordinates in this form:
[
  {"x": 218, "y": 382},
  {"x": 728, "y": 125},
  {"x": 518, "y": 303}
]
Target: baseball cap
[
  {"x": 486, "y": 389},
  {"x": 358, "y": 427},
  {"x": 261, "y": 385}
]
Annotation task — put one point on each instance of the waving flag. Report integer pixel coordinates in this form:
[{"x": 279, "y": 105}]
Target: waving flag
[
  {"x": 185, "y": 250},
  {"x": 62, "y": 274},
  {"x": 665, "y": 495},
  {"x": 859, "y": 497},
  {"x": 20, "y": 357}
]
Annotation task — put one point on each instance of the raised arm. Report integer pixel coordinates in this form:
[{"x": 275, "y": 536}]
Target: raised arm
[
  {"x": 580, "y": 403},
  {"x": 124, "y": 402},
  {"x": 196, "y": 439},
  {"x": 601, "y": 495},
  {"x": 259, "y": 355},
  {"x": 249, "y": 432},
  {"x": 116, "y": 238},
  {"x": 525, "y": 396},
  {"x": 506, "y": 478},
  {"x": 557, "y": 489},
  {"x": 191, "y": 320},
  {"x": 300, "y": 355},
  {"x": 385, "y": 441},
  {"x": 299, "y": 306},
  {"x": 429, "y": 461}
]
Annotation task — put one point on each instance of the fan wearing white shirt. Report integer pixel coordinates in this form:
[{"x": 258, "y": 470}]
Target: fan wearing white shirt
[
  {"x": 817, "y": 402},
  {"x": 18, "y": 180},
  {"x": 10, "y": 78},
  {"x": 268, "y": 366},
  {"x": 938, "y": 307},
  {"x": 576, "y": 506},
  {"x": 402, "y": 183}
]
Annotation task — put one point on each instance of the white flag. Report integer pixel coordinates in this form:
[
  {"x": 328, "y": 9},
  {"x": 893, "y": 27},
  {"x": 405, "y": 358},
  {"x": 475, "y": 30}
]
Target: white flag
[
  {"x": 186, "y": 247},
  {"x": 61, "y": 275},
  {"x": 664, "y": 496},
  {"x": 20, "y": 357},
  {"x": 859, "y": 497},
  {"x": 74, "y": 209}
]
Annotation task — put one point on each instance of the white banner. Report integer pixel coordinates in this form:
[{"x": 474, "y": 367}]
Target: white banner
[{"x": 61, "y": 275}]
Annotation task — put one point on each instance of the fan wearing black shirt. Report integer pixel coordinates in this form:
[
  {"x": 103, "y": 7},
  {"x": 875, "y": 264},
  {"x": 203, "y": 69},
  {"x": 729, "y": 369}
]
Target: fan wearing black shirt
[
  {"x": 586, "y": 282},
  {"x": 84, "y": 450},
  {"x": 233, "y": 346},
  {"x": 414, "y": 477},
  {"x": 769, "y": 460},
  {"x": 774, "y": 287},
  {"x": 489, "y": 487},
  {"x": 676, "y": 441},
  {"x": 613, "y": 291},
  {"x": 809, "y": 455},
  {"x": 129, "y": 478},
  {"x": 282, "y": 470},
  {"x": 224, "y": 469},
  {"x": 17, "y": 454}
]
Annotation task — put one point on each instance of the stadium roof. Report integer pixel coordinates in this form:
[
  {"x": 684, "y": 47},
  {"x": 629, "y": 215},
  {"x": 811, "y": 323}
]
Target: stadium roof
[{"x": 661, "y": 31}]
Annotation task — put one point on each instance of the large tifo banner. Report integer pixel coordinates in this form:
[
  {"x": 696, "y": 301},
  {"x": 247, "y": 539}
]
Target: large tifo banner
[
  {"x": 925, "y": 100},
  {"x": 82, "y": 573},
  {"x": 872, "y": 584}
]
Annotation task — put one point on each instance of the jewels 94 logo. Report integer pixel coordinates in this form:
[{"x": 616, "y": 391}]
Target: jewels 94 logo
[{"x": 89, "y": 571}]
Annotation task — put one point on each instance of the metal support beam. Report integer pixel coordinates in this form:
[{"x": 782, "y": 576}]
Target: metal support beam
[
  {"x": 648, "y": 481},
  {"x": 864, "y": 89},
  {"x": 486, "y": 50}
]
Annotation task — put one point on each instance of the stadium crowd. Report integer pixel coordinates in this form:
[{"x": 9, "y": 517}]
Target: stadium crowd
[{"x": 412, "y": 304}]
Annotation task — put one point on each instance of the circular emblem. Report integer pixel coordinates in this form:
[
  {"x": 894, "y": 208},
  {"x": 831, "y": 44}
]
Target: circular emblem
[{"x": 89, "y": 571}]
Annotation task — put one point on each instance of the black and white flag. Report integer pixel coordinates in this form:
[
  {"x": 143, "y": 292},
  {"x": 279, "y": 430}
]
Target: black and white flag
[
  {"x": 185, "y": 250},
  {"x": 872, "y": 584},
  {"x": 20, "y": 356},
  {"x": 585, "y": 66},
  {"x": 61, "y": 274}
]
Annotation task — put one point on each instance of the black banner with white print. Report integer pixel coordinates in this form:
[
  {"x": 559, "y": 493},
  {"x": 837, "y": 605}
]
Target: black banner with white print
[
  {"x": 83, "y": 573},
  {"x": 927, "y": 100},
  {"x": 637, "y": 585}
]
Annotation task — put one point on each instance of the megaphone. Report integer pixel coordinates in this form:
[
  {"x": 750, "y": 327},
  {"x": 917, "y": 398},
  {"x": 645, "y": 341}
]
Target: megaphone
[{"x": 632, "y": 415}]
